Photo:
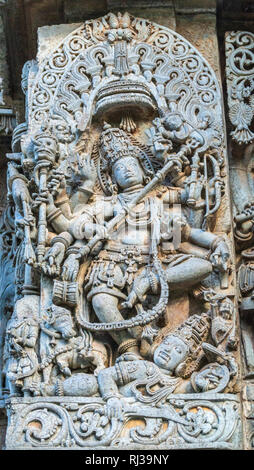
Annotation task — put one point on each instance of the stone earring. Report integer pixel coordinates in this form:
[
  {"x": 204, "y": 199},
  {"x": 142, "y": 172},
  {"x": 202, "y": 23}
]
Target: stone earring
[{"x": 180, "y": 369}]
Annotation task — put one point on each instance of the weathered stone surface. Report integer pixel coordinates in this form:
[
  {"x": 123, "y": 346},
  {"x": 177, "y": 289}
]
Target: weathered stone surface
[
  {"x": 50, "y": 36},
  {"x": 240, "y": 79},
  {"x": 186, "y": 422},
  {"x": 200, "y": 31},
  {"x": 239, "y": 46},
  {"x": 118, "y": 206}
]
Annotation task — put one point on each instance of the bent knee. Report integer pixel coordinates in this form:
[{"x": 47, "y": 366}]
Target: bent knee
[
  {"x": 101, "y": 301},
  {"x": 205, "y": 266}
]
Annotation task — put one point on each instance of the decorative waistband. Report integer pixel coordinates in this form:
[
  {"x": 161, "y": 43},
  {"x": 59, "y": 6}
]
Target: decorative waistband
[
  {"x": 126, "y": 249},
  {"x": 107, "y": 255}
]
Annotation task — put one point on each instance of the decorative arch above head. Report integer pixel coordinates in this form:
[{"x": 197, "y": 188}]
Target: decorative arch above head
[{"x": 169, "y": 74}]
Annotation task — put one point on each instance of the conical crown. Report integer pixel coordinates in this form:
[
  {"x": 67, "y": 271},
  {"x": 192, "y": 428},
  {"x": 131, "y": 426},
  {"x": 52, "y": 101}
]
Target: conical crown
[
  {"x": 194, "y": 331},
  {"x": 115, "y": 144}
]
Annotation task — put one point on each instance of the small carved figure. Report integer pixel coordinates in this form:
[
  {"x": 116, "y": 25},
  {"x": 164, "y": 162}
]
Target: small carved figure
[
  {"x": 21, "y": 360},
  {"x": 176, "y": 359},
  {"x": 61, "y": 346},
  {"x": 171, "y": 129}
]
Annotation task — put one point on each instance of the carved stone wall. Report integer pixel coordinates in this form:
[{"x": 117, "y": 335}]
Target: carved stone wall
[
  {"x": 121, "y": 329},
  {"x": 239, "y": 73}
]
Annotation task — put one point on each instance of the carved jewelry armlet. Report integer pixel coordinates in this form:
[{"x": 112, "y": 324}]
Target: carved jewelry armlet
[
  {"x": 107, "y": 396},
  {"x": 65, "y": 238},
  {"x": 213, "y": 246},
  {"x": 62, "y": 201},
  {"x": 54, "y": 214},
  {"x": 73, "y": 250},
  {"x": 216, "y": 243}
]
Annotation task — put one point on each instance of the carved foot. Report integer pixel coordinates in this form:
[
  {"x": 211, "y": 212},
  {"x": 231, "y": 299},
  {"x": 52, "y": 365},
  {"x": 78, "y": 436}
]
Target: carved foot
[{"x": 66, "y": 371}]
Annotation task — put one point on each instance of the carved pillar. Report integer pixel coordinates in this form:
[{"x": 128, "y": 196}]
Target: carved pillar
[{"x": 240, "y": 86}]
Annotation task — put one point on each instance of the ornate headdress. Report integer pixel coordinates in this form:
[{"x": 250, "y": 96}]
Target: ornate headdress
[
  {"x": 115, "y": 144},
  {"x": 226, "y": 308},
  {"x": 46, "y": 130},
  {"x": 46, "y": 142},
  {"x": 193, "y": 332}
]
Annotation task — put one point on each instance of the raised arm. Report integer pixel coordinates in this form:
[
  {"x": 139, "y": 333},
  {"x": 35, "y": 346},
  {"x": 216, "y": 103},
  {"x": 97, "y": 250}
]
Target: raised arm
[{"x": 87, "y": 174}]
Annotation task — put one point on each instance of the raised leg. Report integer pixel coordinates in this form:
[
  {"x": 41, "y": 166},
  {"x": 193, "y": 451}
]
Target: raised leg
[
  {"x": 106, "y": 309},
  {"x": 181, "y": 276},
  {"x": 188, "y": 273}
]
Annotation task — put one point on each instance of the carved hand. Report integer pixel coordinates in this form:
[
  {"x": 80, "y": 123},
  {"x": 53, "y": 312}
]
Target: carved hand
[
  {"x": 140, "y": 287},
  {"x": 29, "y": 221},
  {"x": 44, "y": 196},
  {"x": 114, "y": 408},
  {"x": 91, "y": 229},
  {"x": 54, "y": 258},
  {"x": 57, "y": 184},
  {"x": 180, "y": 222},
  {"x": 220, "y": 257},
  {"x": 128, "y": 356},
  {"x": 87, "y": 170},
  {"x": 70, "y": 268}
]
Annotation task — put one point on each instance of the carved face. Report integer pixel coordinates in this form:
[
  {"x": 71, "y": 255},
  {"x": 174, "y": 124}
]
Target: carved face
[
  {"x": 63, "y": 323},
  {"x": 170, "y": 353},
  {"x": 63, "y": 132},
  {"x": 128, "y": 172},
  {"x": 45, "y": 147},
  {"x": 226, "y": 310},
  {"x": 173, "y": 122}
]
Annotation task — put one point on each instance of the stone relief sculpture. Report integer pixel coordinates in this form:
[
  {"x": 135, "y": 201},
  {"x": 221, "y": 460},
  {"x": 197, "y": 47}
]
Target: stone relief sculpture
[
  {"x": 239, "y": 46},
  {"x": 239, "y": 50},
  {"x": 118, "y": 184},
  {"x": 239, "y": 55}
]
